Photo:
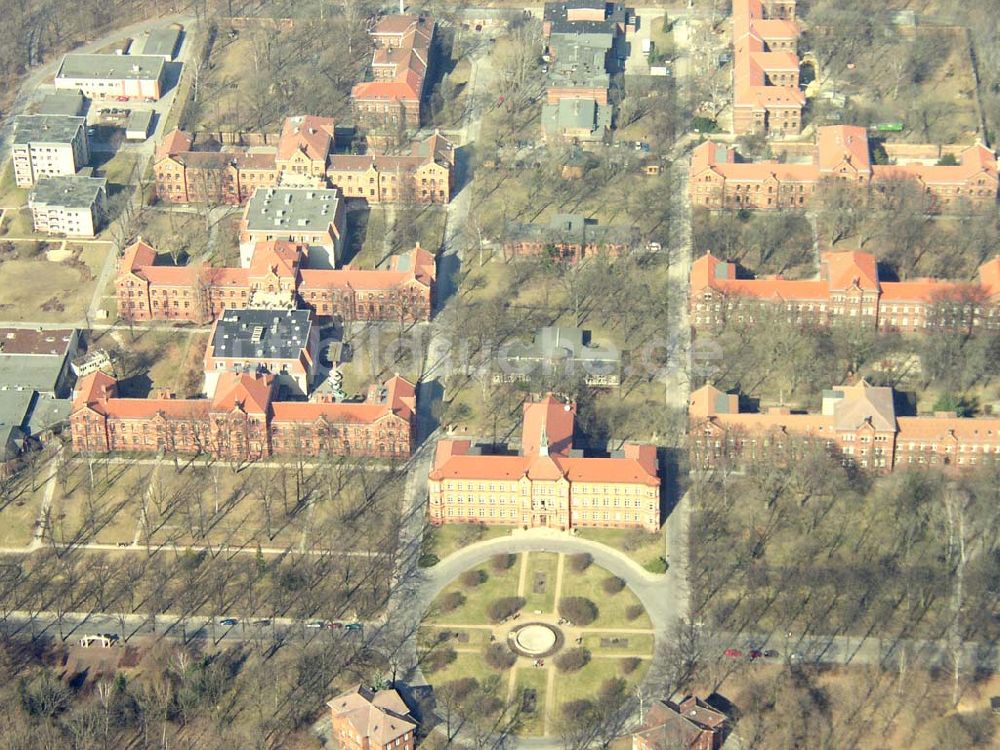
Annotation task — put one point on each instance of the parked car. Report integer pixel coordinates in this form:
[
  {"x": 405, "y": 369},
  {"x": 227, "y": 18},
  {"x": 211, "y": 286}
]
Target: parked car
[
  {"x": 755, "y": 653},
  {"x": 733, "y": 653},
  {"x": 770, "y": 653},
  {"x": 335, "y": 625},
  {"x": 229, "y": 621},
  {"x": 122, "y": 98},
  {"x": 261, "y": 623},
  {"x": 354, "y": 626},
  {"x": 316, "y": 624}
]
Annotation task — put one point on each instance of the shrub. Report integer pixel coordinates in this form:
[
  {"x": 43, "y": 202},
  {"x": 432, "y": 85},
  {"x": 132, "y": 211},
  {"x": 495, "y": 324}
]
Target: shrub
[
  {"x": 499, "y": 656},
  {"x": 472, "y": 578},
  {"x": 501, "y": 609},
  {"x": 659, "y": 565},
  {"x": 438, "y": 659},
  {"x": 452, "y": 601},
  {"x": 634, "y": 612},
  {"x": 704, "y": 125},
  {"x": 572, "y": 660},
  {"x": 629, "y": 664},
  {"x": 428, "y": 560},
  {"x": 580, "y": 562},
  {"x": 612, "y": 585},
  {"x": 500, "y": 563},
  {"x": 577, "y": 610}
]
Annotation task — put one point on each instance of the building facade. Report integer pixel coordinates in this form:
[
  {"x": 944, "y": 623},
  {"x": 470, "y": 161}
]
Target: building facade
[
  {"x": 313, "y": 217},
  {"x": 364, "y": 719},
  {"x": 101, "y": 76},
  {"x": 548, "y": 483},
  {"x": 243, "y": 421},
  {"x": 766, "y": 95},
  {"x": 858, "y": 423},
  {"x": 277, "y": 278},
  {"x": 229, "y": 177},
  {"x": 425, "y": 175},
  {"x": 48, "y": 146},
  {"x": 71, "y": 205},
  {"x": 394, "y": 99},
  {"x": 302, "y": 159},
  {"x": 848, "y": 290},
  {"x": 569, "y": 237},
  {"x": 717, "y": 180}
]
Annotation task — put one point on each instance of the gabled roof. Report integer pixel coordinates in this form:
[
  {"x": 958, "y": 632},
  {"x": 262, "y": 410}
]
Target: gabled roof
[
  {"x": 174, "y": 142},
  {"x": 846, "y": 268},
  {"x": 251, "y": 393},
  {"x": 865, "y": 403},
  {"x": 381, "y": 716},
  {"x": 550, "y": 417},
  {"x": 310, "y": 134},
  {"x": 280, "y": 257},
  {"x": 838, "y": 143}
]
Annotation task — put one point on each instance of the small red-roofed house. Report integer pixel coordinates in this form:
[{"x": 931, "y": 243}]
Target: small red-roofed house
[
  {"x": 364, "y": 719},
  {"x": 690, "y": 724}
]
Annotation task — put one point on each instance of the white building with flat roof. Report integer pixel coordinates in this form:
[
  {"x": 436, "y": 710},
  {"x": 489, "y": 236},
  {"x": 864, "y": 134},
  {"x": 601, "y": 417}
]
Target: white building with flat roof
[
  {"x": 71, "y": 205},
  {"x": 312, "y": 216},
  {"x": 111, "y": 76},
  {"x": 48, "y": 146}
]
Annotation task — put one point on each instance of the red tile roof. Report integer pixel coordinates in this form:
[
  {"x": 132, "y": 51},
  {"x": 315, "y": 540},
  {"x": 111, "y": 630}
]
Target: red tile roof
[
  {"x": 310, "y": 134},
  {"x": 410, "y": 59}
]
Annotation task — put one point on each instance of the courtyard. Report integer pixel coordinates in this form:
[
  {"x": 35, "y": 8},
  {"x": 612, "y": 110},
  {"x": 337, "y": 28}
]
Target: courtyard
[{"x": 544, "y": 627}]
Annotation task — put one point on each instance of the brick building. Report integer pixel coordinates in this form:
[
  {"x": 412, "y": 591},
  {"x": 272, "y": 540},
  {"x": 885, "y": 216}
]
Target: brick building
[
  {"x": 303, "y": 158},
  {"x": 857, "y": 422},
  {"x": 717, "y": 180},
  {"x": 230, "y": 176},
  {"x": 690, "y": 724},
  {"x": 277, "y": 278},
  {"x": 548, "y": 483},
  {"x": 585, "y": 49},
  {"x": 766, "y": 95},
  {"x": 243, "y": 421},
  {"x": 364, "y": 719},
  {"x": 399, "y": 67},
  {"x": 569, "y": 237},
  {"x": 425, "y": 175},
  {"x": 848, "y": 289},
  {"x": 303, "y": 149}
]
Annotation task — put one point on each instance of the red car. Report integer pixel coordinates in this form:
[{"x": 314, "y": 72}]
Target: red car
[
  {"x": 755, "y": 653},
  {"x": 733, "y": 653},
  {"x": 123, "y": 98}
]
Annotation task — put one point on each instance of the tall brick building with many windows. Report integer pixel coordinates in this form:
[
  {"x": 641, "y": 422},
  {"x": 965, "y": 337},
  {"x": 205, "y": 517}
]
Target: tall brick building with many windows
[
  {"x": 857, "y": 422},
  {"x": 548, "y": 484},
  {"x": 243, "y": 421},
  {"x": 275, "y": 279},
  {"x": 717, "y": 179},
  {"x": 848, "y": 289}
]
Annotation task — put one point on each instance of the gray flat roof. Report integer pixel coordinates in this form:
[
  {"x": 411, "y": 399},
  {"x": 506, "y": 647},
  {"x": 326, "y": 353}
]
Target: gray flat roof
[
  {"x": 292, "y": 210},
  {"x": 29, "y": 372},
  {"x": 162, "y": 42},
  {"x": 69, "y": 191},
  {"x": 140, "y": 119},
  {"x": 46, "y": 128},
  {"x": 261, "y": 334},
  {"x": 69, "y": 103},
  {"x": 112, "y": 67}
]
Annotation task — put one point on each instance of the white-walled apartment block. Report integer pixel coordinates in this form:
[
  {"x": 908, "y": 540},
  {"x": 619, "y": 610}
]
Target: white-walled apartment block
[
  {"x": 110, "y": 76},
  {"x": 48, "y": 146},
  {"x": 72, "y": 205}
]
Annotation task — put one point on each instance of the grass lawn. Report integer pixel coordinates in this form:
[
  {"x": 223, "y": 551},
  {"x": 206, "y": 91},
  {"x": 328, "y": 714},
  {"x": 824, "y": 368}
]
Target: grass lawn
[
  {"x": 465, "y": 665},
  {"x": 586, "y": 682},
  {"x": 19, "y": 223},
  {"x": 111, "y": 514},
  {"x": 11, "y": 196},
  {"x": 479, "y": 598},
  {"x": 40, "y": 290},
  {"x": 458, "y": 638},
  {"x": 441, "y": 541},
  {"x": 20, "y": 507},
  {"x": 646, "y": 549},
  {"x": 540, "y": 582},
  {"x": 530, "y": 678},
  {"x": 638, "y": 643},
  {"x": 163, "y": 359},
  {"x": 123, "y": 168},
  {"x": 168, "y": 231},
  {"x": 611, "y": 607}
]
